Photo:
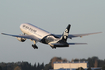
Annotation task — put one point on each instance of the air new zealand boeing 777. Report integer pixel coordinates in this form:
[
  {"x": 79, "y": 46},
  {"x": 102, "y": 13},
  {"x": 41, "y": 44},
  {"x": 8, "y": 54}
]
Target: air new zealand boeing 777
[{"x": 37, "y": 34}]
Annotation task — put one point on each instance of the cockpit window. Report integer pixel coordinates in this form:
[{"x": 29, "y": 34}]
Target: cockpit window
[{"x": 23, "y": 25}]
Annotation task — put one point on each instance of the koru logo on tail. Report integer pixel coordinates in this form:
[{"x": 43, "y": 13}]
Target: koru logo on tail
[{"x": 66, "y": 34}]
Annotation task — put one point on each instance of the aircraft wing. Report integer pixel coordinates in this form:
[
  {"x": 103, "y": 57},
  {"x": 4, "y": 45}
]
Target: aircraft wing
[
  {"x": 79, "y": 35},
  {"x": 24, "y": 36}
]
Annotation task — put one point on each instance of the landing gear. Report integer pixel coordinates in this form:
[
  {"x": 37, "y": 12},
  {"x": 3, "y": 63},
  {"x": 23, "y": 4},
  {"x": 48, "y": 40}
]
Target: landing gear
[
  {"x": 53, "y": 47},
  {"x": 34, "y": 46}
]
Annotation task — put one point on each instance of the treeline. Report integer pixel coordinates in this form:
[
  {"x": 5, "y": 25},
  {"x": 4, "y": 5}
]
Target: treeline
[
  {"x": 92, "y": 62},
  {"x": 21, "y": 66}
]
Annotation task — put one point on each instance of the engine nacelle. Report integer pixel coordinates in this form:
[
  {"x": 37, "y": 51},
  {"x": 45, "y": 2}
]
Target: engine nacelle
[{"x": 21, "y": 39}]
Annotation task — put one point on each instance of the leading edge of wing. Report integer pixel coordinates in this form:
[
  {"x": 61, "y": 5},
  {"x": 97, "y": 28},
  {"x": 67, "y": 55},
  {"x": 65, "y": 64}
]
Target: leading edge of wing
[
  {"x": 79, "y": 35},
  {"x": 23, "y": 36}
]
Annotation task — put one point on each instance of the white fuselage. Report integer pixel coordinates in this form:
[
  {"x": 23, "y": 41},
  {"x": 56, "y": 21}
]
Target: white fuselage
[
  {"x": 30, "y": 29},
  {"x": 44, "y": 36}
]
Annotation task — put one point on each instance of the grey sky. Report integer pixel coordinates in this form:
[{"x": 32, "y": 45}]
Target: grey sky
[{"x": 85, "y": 16}]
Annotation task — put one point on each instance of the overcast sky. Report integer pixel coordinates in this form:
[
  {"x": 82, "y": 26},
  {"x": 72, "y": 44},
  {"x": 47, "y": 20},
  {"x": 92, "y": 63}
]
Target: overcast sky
[{"x": 85, "y": 16}]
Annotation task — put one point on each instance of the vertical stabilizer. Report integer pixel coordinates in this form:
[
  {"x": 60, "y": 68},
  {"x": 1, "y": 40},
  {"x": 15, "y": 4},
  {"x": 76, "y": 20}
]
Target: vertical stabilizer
[{"x": 65, "y": 33}]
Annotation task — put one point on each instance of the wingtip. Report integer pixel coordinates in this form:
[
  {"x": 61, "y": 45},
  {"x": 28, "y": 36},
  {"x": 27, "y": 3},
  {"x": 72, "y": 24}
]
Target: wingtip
[
  {"x": 1, "y": 33},
  {"x": 99, "y": 32}
]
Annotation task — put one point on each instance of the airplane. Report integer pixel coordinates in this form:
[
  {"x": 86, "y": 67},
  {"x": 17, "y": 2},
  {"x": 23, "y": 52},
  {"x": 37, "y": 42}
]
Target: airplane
[{"x": 37, "y": 34}]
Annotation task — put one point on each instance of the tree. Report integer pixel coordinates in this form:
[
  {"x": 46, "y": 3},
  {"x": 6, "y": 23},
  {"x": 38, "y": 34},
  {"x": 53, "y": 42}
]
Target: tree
[
  {"x": 96, "y": 63},
  {"x": 34, "y": 67},
  {"x": 17, "y": 68},
  {"x": 89, "y": 68},
  {"x": 103, "y": 67},
  {"x": 42, "y": 66},
  {"x": 47, "y": 67},
  {"x": 80, "y": 68},
  {"x": 0, "y": 68}
]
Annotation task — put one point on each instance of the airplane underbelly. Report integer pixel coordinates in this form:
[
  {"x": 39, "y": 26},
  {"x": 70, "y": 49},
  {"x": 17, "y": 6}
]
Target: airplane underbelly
[
  {"x": 46, "y": 40},
  {"x": 49, "y": 38},
  {"x": 58, "y": 45}
]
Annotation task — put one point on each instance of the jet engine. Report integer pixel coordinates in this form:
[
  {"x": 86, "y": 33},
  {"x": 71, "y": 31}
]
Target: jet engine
[{"x": 21, "y": 39}]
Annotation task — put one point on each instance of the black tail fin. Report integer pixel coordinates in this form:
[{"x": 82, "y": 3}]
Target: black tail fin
[{"x": 65, "y": 33}]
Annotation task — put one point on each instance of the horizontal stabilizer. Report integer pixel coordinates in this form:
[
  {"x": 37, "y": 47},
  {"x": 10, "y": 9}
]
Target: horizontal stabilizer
[{"x": 77, "y": 43}]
